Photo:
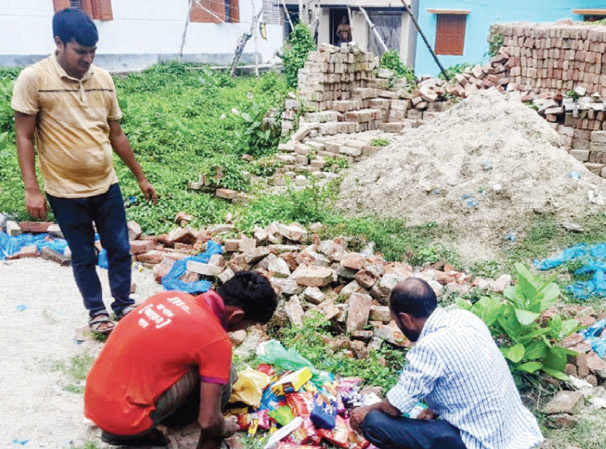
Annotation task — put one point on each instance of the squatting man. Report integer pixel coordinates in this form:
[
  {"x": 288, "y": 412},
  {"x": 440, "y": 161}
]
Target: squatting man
[{"x": 457, "y": 369}]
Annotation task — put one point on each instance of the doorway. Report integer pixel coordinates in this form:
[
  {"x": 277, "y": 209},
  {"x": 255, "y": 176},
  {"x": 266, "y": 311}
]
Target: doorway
[{"x": 336, "y": 15}]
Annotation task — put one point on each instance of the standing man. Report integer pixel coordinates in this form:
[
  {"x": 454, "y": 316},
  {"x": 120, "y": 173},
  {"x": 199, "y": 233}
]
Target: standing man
[
  {"x": 171, "y": 357},
  {"x": 456, "y": 367},
  {"x": 70, "y": 107},
  {"x": 343, "y": 32}
]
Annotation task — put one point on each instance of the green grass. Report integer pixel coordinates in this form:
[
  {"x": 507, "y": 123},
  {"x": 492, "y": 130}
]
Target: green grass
[
  {"x": 589, "y": 433},
  {"x": 380, "y": 368},
  {"x": 180, "y": 124},
  {"x": 76, "y": 370},
  {"x": 376, "y": 142}
]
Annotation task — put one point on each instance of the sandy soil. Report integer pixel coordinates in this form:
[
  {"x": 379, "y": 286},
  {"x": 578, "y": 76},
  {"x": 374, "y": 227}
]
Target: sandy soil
[
  {"x": 484, "y": 167},
  {"x": 42, "y": 313}
]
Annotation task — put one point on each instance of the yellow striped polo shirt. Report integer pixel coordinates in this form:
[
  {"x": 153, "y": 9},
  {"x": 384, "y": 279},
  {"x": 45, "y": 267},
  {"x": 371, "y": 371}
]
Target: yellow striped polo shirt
[{"x": 72, "y": 130}]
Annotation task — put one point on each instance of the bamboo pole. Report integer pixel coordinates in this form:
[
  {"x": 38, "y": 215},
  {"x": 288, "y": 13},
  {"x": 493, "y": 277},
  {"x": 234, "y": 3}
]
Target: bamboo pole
[
  {"x": 292, "y": 27},
  {"x": 374, "y": 29},
  {"x": 416, "y": 24},
  {"x": 255, "y": 32},
  {"x": 189, "y": 8}
]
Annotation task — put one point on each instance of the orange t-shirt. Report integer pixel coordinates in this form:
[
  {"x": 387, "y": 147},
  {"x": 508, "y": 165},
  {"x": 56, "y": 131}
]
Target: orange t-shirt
[{"x": 150, "y": 349}]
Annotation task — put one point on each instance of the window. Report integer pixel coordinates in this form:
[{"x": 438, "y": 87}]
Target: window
[
  {"x": 450, "y": 31},
  {"x": 215, "y": 11},
  {"x": 450, "y": 34},
  {"x": 96, "y": 9},
  {"x": 590, "y": 15}
]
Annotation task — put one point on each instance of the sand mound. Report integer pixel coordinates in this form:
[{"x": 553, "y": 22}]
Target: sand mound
[{"x": 485, "y": 166}]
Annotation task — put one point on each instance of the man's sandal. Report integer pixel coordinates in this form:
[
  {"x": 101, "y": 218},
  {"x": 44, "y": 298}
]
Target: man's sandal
[
  {"x": 128, "y": 309},
  {"x": 101, "y": 323}
]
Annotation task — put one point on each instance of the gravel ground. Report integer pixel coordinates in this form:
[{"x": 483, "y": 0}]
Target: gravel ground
[{"x": 42, "y": 313}]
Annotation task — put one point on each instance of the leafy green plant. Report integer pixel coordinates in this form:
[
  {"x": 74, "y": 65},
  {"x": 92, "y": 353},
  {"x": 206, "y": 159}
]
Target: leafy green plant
[
  {"x": 261, "y": 131},
  {"x": 376, "y": 142},
  {"x": 300, "y": 43},
  {"x": 391, "y": 60},
  {"x": 530, "y": 345},
  {"x": 495, "y": 43},
  {"x": 226, "y": 171},
  {"x": 6, "y": 113},
  {"x": 339, "y": 162},
  {"x": 455, "y": 70}
]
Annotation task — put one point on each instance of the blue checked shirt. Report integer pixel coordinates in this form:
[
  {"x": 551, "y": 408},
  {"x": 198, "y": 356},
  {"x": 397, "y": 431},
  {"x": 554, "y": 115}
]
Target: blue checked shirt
[{"x": 456, "y": 367}]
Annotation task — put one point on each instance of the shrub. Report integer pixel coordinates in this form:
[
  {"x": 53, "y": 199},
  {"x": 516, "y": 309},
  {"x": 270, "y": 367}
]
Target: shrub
[
  {"x": 528, "y": 343},
  {"x": 301, "y": 42},
  {"x": 391, "y": 60}
]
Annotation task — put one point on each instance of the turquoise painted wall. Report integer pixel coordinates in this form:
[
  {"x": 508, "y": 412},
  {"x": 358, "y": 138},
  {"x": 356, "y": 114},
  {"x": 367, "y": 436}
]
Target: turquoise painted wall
[{"x": 482, "y": 15}]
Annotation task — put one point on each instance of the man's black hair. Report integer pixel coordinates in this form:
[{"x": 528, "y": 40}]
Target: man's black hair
[
  {"x": 413, "y": 296},
  {"x": 253, "y": 293},
  {"x": 72, "y": 24}
]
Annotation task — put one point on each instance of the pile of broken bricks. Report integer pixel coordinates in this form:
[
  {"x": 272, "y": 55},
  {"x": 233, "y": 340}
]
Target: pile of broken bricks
[{"x": 349, "y": 288}]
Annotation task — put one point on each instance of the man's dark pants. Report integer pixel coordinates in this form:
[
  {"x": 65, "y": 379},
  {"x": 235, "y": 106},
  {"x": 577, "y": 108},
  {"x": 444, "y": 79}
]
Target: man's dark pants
[
  {"x": 387, "y": 432},
  {"x": 75, "y": 217},
  {"x": 176, "y": 407}
]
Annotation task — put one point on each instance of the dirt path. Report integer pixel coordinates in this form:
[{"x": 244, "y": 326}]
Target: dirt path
[{"x": 42, "y": 311}]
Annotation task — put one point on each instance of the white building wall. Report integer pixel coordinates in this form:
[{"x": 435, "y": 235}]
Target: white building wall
[{"x": 143, "y": 32}]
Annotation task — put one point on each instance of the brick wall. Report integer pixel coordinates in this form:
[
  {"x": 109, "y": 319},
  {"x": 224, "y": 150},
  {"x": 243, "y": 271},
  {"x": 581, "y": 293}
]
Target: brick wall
[{"x": 555, "y": 57}]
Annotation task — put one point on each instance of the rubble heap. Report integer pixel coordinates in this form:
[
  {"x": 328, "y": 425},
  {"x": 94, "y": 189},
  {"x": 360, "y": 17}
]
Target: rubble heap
[
  {"x": 349, "y": 288},
  {"x": 484, "y": 166}
]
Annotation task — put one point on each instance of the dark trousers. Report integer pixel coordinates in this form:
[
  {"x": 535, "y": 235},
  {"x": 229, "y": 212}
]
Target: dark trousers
[
  {"x": 176, "y": 407},
  {"x": 75, "y": 216},
  {"x": 387, "y": 432}
]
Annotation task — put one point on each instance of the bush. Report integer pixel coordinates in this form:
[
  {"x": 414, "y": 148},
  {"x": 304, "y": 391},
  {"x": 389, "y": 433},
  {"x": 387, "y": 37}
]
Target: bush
[
  {"x": 391, "y": 60},
  {"x": 301, "y": 42},
  {"x": 529, "y": 343}
]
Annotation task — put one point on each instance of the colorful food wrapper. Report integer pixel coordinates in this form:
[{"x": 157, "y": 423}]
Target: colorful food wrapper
[
  {"x": 271, "y": 401},
  {"x": 416, "y": 410},
  {"x": 249, "y": 387},
  {"x": 292, "y": 382},
  {"x": 285, "y": 445},
  {"x": 267, "y": 369},
  {"x": 324, "y": 412},
  {"x": 305, "y": 433},
  {"x": 282, "y": 415},
  {"x": 300, "y": 403},
  {"x": 339, "y": 436},
  {"x": 357, "y": 441},
  {"x": 348, "y": 384}
]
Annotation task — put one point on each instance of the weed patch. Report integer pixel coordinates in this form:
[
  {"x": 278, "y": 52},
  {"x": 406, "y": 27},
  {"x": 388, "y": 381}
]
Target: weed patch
[{"x": 76, "y": 370}]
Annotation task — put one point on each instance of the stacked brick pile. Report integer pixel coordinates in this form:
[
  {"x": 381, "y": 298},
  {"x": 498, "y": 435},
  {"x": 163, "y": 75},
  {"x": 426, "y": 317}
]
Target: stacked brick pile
[
  {"x": 346, "y": 91},
  {"x": 555, "y": 57}
]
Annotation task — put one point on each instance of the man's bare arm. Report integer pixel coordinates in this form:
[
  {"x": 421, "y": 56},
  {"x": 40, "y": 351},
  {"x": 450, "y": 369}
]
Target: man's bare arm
[
  {"x": 122, "y": 147},
  {"x": 25, "y": 126},
  {"x": 213, "y": 426},
  {"x": 359, "y": 414}
]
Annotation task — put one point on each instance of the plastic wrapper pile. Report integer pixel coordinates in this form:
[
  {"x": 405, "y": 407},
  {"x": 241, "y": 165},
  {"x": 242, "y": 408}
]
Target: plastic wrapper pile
[{"x": 295, "y": 404}]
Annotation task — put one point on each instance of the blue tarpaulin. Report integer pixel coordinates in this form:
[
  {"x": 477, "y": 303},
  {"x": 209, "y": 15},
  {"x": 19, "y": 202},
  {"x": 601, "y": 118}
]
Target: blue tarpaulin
[
  {"x": 172, "y": 282},
  {"x": 593, "y": 258},
  {"x": 12, "y": 245},
  {"x": 596, "y": 337}
]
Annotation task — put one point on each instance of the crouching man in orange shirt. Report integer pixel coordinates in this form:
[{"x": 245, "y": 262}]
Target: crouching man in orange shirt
[{"x": 170, "y": 357}]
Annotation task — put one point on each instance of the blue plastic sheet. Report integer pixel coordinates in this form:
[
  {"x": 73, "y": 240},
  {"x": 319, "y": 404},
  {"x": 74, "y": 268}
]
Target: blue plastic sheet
[
  {"x": 596, "y": 337},
  {"x": 593, "y": 258},
  {"x": 172, "y": 282},
  {"x": 12, "y": 245}
]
